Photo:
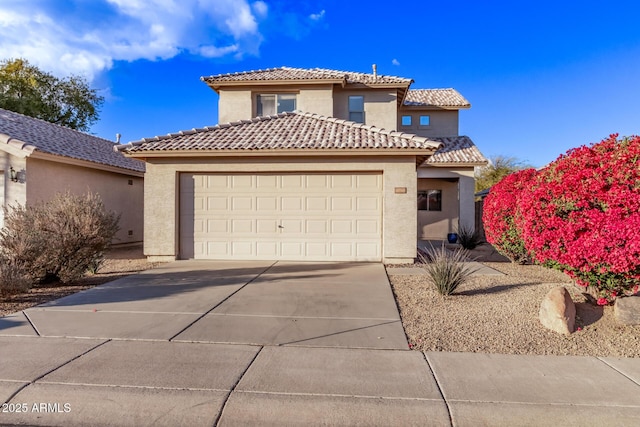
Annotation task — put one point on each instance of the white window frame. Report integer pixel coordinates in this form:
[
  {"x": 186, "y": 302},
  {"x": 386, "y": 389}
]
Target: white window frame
[{"x": 276, "y": 100}]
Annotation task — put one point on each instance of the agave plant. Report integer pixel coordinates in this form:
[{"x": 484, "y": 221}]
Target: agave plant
[{"x": 446, "y": 269}]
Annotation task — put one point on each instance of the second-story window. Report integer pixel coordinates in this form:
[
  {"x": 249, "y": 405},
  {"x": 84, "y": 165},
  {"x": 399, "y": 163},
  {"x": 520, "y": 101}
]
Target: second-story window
[
  {"x": 269, "y": 104},
  {"x": 356, "y": 108}
]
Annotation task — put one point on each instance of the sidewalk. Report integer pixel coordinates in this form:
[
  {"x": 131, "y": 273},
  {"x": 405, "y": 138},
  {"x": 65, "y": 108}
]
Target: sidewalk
[{"x": 63, "y": 381}]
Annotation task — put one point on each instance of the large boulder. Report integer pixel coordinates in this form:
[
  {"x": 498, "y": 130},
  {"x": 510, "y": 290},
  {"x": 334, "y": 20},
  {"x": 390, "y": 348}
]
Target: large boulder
[
  {"x": 558, "y": 311},
  {"x": 627, "y": 310}
]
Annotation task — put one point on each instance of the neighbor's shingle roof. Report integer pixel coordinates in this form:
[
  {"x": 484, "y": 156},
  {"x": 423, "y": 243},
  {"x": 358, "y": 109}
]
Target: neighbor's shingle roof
[
  {"x": 436, "y": 97},
  {"x": 456, "y": 149},
  {"x": 301, "y": 74},
  {"x": 61, "y": 141},
  {"x": 286, "y": 131}
]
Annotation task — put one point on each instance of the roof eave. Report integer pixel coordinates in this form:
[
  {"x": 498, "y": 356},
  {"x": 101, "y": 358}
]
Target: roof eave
[
  {"x": 15, "y": 146},
  {"x": 84, "y": 163},
  {"x": 247, "y": 83},
  {"x": 436, "y": 107},
  {"x": 453, "y": 164},
  {"x": 283, "y": 152}
]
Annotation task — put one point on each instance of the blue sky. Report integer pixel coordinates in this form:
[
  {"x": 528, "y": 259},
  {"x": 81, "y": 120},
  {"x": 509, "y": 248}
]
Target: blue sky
[{"x": 541, "y": 77}]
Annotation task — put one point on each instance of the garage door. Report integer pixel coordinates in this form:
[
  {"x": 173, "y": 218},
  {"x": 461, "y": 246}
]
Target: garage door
[{"x": 314, "y": 217}]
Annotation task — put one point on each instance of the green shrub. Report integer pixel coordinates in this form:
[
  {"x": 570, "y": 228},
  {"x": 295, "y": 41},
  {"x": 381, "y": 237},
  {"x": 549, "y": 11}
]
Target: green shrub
[
  {"x": 58, "y": 240},
  {"x": 446, "y": 269}
]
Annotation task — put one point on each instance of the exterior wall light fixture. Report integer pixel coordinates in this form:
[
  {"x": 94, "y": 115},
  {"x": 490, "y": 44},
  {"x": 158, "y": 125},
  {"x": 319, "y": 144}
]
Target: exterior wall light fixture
[{"x": 13, "y": 174}]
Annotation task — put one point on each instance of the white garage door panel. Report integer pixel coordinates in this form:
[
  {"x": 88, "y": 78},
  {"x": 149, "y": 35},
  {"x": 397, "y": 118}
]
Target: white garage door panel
[{"x": 287, "y": 217}]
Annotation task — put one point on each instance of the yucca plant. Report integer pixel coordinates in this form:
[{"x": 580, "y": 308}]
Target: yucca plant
[{"x": 446, "y": 269}]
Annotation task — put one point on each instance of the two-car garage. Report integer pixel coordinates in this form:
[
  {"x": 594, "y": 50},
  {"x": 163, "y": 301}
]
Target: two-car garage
[
  {"x": 281, "y": 216},
  {"x": 295, "y": 187}
]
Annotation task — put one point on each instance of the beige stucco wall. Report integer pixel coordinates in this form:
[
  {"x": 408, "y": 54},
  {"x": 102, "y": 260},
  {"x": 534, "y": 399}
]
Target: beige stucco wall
[
  {"x": 318, "y": 100},
  {"x": 464, "y": 191},
  {"x": 46, "y": 178},
  {"x": 442, "y": 122},
  {"x": 234, "y": 105},
  {"x": 399, "y": 210},
  {"x": 380, "y": 106},
  {"x": 239, "y": 103}
]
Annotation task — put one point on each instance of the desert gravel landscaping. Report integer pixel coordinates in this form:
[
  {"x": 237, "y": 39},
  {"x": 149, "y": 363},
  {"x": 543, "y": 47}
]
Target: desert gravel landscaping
[{"x": 499, "y": 314}]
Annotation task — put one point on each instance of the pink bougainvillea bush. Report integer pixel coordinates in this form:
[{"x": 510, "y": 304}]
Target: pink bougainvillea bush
[
  {"x": 499, "y": 213},
  {"x": 582, "y": 215}
]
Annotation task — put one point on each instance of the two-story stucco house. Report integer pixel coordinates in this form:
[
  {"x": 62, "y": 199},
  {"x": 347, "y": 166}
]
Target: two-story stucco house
[{"x": 310, "y": 164}]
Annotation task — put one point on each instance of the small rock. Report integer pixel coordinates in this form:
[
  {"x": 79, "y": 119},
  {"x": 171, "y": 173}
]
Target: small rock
[
  {"x": 627, "y": 310},
  {"x": 558, "y": 311}
]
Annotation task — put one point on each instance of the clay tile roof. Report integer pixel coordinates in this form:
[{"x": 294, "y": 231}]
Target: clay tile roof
[
  {"x": 456, "y": 149},
  {"x": 436, "y": 97},
  {"x": 50, "y": 138},
  {"x": 311, "y": 74},
  {"x": 286, "y": 131}
]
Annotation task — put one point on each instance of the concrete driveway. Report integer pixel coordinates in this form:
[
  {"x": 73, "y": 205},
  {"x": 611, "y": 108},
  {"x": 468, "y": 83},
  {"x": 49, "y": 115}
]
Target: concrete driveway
[{"x": 264, "y": 303}]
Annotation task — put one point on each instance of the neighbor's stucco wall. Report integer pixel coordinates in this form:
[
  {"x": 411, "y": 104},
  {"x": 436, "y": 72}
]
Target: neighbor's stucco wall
[
  {"x": 161, "y": 240},
  {"x": 46, "y": 178},
  {"x": 442, "y": 122},
  {"x": 465, "y": 193},
  {"x": 380, "y": 106}
]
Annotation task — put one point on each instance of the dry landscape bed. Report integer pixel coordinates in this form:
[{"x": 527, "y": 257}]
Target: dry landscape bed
[{"x": 499, "y": 314}]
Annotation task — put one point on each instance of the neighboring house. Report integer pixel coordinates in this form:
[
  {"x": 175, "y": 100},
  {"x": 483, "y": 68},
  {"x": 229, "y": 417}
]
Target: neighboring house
[
  {"x": 39, "y": 159},
  {"x": 302, "y": 168}
]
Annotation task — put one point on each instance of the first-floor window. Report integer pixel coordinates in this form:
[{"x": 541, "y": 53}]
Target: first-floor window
[
  {"x": 270, "y": 104},
  {"x": 430, "y": 200}
]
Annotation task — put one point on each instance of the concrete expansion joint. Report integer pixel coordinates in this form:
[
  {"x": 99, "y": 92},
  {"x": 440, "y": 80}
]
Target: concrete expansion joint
[
  {"x": 274, "y": 316},
  {"x": 31, "y": 323},
  {"x": 223, "y": 301},
  {"x": 439, "y": 385},
  {"x": 126, "y": 386},
  {"x": 226, "y": 399},
  {"x": 37, "y": 379},
  {"x": 350, "y": 396},
  {"x": 618, "y": 371}
]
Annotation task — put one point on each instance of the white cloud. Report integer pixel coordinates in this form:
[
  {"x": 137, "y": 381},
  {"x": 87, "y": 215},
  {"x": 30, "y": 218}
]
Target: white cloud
[
  {"x": 394, "y": 61},
  {"x": 317, "y": 16},
  {"x": 216, "y": 52},
  {"x": 73, "y": 38},
  {"x": 260, "y": 8}
]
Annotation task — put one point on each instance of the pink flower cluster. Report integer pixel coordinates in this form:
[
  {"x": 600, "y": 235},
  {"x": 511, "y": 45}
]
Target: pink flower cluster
[
  {"x": 580, "y": 214},
  {"x": 500, "y": 212}
]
